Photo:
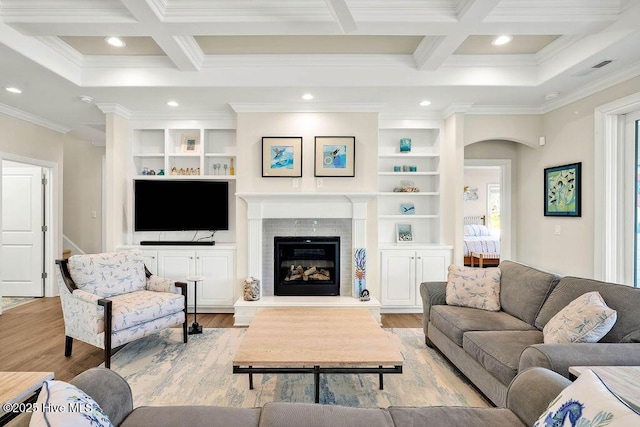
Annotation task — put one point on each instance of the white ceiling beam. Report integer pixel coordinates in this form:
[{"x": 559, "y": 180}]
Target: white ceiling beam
[
  {"x": 142, "y": 10},
  {"x": 341, "y": 13},
  {"x": 430, "y": 56}
]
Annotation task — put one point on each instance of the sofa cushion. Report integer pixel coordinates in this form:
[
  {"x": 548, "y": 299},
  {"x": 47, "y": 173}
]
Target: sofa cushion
[
  {"x": 283, "y": 414},
  {"x": 523, "y": 289},
  {"x": 585, "y": 319},
  {"x": 108, "y": 274},
  {"x": 624, "y": 299},
  {"x": 499, "y": 351},
  {"x": 454, "y": 321},
  {"x": 474, "y": 287},
  {"x": 171, "y": 416},
  {"x": 136, "y": 308},
  {"x": 448, "y": 416},
  {"x": 588, "y": 402}
]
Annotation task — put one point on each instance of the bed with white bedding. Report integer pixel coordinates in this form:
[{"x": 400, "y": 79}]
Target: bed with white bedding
[{"x": 478, "y": 239}]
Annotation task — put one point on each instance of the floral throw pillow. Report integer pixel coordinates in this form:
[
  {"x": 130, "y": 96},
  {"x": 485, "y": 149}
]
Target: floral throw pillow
[
  {"x": 585, "y": 319},
  {"x": 474, "y": 287},
  {"x": 63, "y": 404},
  {"x": 588, "y": 402}
]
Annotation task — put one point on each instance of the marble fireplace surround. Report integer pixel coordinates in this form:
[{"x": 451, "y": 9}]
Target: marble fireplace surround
[{"x": 261, "y": 206}]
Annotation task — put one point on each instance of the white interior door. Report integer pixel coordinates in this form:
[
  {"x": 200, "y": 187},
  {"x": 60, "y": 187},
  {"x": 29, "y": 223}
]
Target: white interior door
[{"x": 22, "y": 238}]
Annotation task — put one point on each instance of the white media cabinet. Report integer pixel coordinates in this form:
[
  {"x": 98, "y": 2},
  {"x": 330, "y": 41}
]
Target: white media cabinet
[{"x": 217, "y": 292}]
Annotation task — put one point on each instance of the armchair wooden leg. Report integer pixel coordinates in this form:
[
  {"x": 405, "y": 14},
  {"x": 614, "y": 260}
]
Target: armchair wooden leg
[
  {"x": 107, "y": 356},
  {"x": 185, "y": 333},
  {"x": 68, "y": 346}
]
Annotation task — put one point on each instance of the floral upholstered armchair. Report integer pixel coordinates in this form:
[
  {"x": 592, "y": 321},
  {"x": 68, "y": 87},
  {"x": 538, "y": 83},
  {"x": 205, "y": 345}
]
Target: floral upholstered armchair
[{"x": 110, "y": 299}]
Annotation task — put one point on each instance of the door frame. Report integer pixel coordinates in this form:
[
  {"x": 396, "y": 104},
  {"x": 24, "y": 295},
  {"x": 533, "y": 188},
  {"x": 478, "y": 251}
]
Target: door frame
[
  {"x": 50, "y": 170},
  {"x": 507, "y": 234}
]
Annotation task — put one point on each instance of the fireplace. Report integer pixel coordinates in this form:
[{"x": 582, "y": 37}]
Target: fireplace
[{"x": 306, "y": 266}]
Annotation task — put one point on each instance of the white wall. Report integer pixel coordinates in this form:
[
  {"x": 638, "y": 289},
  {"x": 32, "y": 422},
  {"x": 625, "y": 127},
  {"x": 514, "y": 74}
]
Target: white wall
[
  {"x": 479, "y": 178},
  {"x": 82, "y": 195},
  {"x": 569, "y": 133},
  {"x": 251, "y": 127}
]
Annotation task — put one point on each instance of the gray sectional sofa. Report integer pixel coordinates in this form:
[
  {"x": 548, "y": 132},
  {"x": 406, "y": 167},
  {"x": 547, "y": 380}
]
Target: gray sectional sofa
[
  {"x": 490, "y": 348},
  {"x": 527, "y": 399}
]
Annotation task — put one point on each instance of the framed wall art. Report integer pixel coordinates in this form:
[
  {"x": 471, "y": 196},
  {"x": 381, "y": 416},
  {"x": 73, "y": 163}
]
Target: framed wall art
[
  {"x": 404, "y": 233},
  {"x": 335, "y": 156},
  {"x": 282, "y": 156},
  {"x": 562, "y": 190},
  {"x": 190, "y": 144}
]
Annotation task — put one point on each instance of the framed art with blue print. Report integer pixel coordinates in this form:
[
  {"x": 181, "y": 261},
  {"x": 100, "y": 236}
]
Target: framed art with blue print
[
  {"x": 562, "y": 190},
  {"x": 335, "y": 156}
]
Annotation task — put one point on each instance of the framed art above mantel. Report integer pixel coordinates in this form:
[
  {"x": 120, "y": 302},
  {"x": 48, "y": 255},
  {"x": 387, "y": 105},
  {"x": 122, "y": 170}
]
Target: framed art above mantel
[
  {"x": 335, "y": 156},
  {"x": 282, "y": 157}
]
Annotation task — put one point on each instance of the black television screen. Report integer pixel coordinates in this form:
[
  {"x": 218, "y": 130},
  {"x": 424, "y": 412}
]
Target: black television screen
[{"x": 176, "y": 205}]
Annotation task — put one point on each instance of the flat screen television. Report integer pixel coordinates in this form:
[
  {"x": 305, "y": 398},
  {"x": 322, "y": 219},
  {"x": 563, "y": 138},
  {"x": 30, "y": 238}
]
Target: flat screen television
[{"x": 180, "y": 205}]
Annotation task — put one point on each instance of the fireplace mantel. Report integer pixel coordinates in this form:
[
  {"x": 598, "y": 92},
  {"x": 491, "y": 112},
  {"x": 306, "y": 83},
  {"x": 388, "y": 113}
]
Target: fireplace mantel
[
  {"x": 306, "y": 205},
  {"x": 303, "y": 205}
]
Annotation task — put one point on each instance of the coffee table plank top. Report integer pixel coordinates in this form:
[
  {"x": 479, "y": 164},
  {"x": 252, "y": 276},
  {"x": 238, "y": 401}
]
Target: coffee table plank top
[
  {"x": 316, "y": 336},
  {"x": 16, "y": 386}
]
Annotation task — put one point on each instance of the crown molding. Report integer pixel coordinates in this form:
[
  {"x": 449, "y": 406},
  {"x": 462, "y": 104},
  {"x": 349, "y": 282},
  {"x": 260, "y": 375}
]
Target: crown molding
[
  {"x": 57, "y": 45},
  {"x": 123, "y": 61},
  {"x": 309, "y": 60},
  {"x": 191, "y": 50},
  {"x": 504, "y": 109},
  {"x": 594, "y": 87},
  {"x": 456, "y": 108},
  {"x": 306, "y": 108},
  {"x": 117, "y": 109},
  {"x": 31, "y": 118}
]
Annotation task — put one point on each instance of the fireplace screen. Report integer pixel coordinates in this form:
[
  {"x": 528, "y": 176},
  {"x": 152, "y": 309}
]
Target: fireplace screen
[{"x": 307, "y": 265}]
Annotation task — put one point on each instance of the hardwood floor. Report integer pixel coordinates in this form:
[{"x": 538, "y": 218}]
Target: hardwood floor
[{"x": 32, "y": 338}]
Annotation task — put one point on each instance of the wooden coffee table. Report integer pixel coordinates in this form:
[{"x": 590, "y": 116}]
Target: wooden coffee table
[
  {"x": 316, "y": 341},
  {"x": 19, "y": 391}
]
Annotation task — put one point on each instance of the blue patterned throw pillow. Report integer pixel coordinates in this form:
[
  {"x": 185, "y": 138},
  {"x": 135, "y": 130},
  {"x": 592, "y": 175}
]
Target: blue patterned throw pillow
[
  {"x": 588, "y": 402},
  {"x": 63, "y": 404}
]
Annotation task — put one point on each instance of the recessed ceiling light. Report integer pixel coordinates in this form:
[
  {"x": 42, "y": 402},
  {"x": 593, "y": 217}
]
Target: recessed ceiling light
[
  {"x": 172, "y": 104},
  {"x": 307, "y": 96},
  {"x": 115, "y": 41},
  {"x": 425, "y": 103},
  {"x": 13, "y": 90},
  {"x": 551, "y": 95},
  {"x": 86, "y": 99},
  {"x": 500, "y": 40}
]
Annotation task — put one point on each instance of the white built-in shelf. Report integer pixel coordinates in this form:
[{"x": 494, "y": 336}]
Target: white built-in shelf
[
  {"x": 408, "y": 174},
  {"x": 408, "y": 217},
  {"x": 408, "y": 194},
  {"x": 188, "y": 177},
  {"x": 407, "y": 155}
]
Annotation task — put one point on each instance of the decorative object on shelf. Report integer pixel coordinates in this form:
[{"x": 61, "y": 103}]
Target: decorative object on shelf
[
  {"x": 225, "y": 168},
  {"x": 335, "y": 156},
  {"x": 405, "y": 168},
  {"x": 562, "y": 190},
  {"x": 405, "y": 145},
  {"x": 397, "y": 168},
  {"x": 407, "y": 187},
  {"x": 360, "y": 273},
  {"x": 145, "y": 171},
  {"x": 407, "y": 209},
  {"x": 183, "y": 171},
  {"x": 413, "y": 169},
  {"x": 161, "y": 172},
  {"x": 404, "y": 233},
  {"x": 251, "y": 289},
  {"x": 470, "y": 193},
  {"x": 152, "y": 172},
  {"x": 190, "y": 143},
  {"x": 281, "y": 156},
  {"x": 232, "y": 170},
  {"x": 364, "y": 295},
  {"x": 174, "y": 171}
]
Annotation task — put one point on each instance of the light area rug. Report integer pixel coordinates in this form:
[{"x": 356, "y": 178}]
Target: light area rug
[
  {"x": 12, "y": 302},
  {"x": 162, "y": 370}
]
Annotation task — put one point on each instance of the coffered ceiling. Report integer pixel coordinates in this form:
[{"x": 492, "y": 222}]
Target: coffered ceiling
[{"x": 214, "y": 56}]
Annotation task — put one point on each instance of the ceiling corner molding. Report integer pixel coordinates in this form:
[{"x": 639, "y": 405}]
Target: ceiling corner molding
[
  {"x": 191, "y": 50},
  {"x": 341, "y": 13},
  {"x": 118, "y": 109},
  {"x": 60, "y": 47},
  {"x": 456, "y": 108},
  {"x": 597, "y": 86},
  {"x": 306, "y": 108},
  {"x": 28, "y": 117},
  {"x": 504, "y": 109}
]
